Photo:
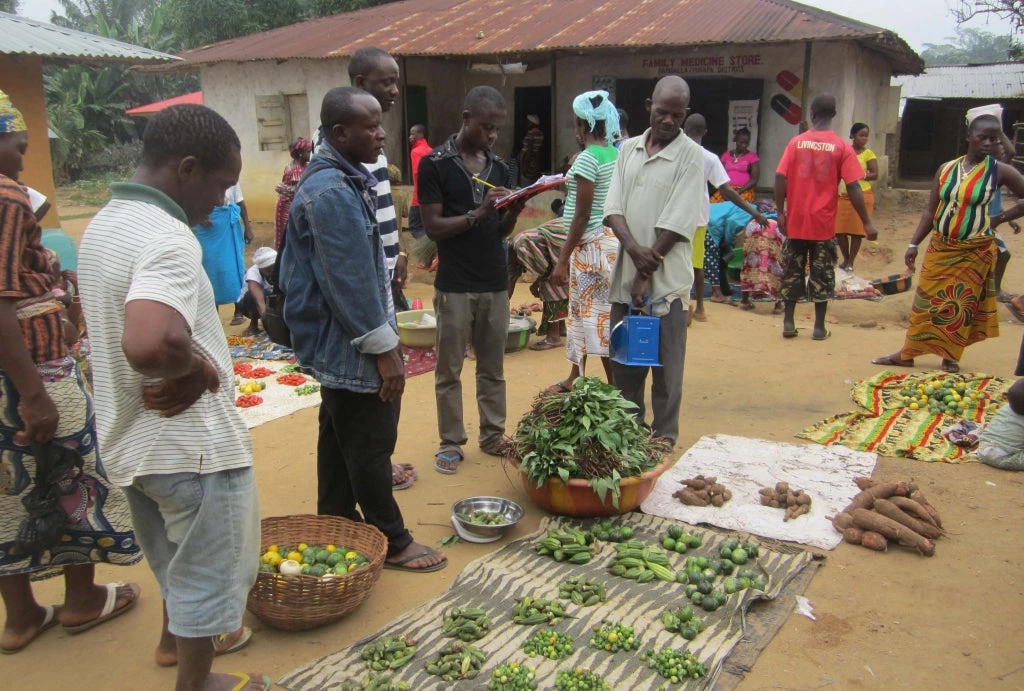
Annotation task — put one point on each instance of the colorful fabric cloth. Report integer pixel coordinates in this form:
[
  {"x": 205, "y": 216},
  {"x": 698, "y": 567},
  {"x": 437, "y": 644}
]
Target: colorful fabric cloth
[
  {"x": 738, "y": 168},
  {"x": 25, "y": 272},
  {"x": 847, "y": 220},
  {"x": 745, "y": 195},
  {"x": 712, "y": 261},
  {"x": 589, "y": 325},
  {"x": 11, "y": 119},
  {"x": 99, "y": 524},
  {"x": 761, "y": 275},
  {"x": 955, "y": 303},
  {"x": 292, "y": 173},
  {"x": 889, "y": 427},
  {"x": 537, "y": 251},
  {"x": 818, "y": 283},
  {"x": 964, "y": 199},
  {"x": 813, "y": 164}
]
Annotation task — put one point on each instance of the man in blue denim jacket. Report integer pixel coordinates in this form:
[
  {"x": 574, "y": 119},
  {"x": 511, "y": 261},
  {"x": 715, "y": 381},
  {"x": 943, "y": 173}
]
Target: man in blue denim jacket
[{"x": 335, "y": 278}]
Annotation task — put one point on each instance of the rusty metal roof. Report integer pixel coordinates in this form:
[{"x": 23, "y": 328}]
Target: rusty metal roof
[
  {"x": 23, "y": 36},
  {"x": 500, "y": 27}
]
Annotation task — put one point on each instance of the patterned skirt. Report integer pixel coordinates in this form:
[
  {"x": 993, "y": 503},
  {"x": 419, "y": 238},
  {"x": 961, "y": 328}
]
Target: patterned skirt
[
  {"x": 99, "y": 527},
  {"x": 761, "y": 275},
  {"x": 746, "y": 195},
  {"x": 589, "y": 325},
  {"x": 537, "y": 251}
]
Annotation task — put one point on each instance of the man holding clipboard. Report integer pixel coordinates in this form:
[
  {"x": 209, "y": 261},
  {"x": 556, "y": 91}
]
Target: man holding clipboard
[{"x": 459, "y": 183}]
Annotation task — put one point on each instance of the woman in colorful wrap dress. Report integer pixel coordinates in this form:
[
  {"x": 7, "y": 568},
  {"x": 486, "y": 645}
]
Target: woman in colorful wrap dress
[
  {"x": 300, "y": 151},
  {"x": 587, "y": 257},
  {"x": 43, "y": 398},
  {"x": 955, "y": 302}
]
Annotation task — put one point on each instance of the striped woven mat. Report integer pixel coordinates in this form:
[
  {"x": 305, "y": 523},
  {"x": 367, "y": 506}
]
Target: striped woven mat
[
  {"x": 497, "y": 581},
  {"x": 890, "y": 427}
]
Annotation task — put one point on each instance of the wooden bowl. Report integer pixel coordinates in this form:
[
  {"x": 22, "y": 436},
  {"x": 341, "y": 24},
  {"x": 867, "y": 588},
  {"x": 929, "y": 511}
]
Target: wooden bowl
[{"x": 578, "y": 499}]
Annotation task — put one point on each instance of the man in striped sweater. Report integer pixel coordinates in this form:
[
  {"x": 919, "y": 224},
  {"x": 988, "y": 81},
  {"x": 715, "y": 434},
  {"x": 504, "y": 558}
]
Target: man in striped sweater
[{"x": 373, "y": 70}]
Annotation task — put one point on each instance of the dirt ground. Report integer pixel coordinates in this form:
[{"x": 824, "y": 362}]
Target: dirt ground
[{"x": 893, "y": 620}]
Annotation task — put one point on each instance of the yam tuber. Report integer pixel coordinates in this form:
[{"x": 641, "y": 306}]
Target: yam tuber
[
  {"x": 873, "y": 540},
  {"x": 866, "y": 499},
  {"x": 796, "y": 502},
  {"x": 796, "y": 510},
  {"x": 913, "y": 508},
  {"x": 887, "y": 508},
  {"x": 864, "y": 482},
  {"x": 691, "y": 498},
  {"x": 853, "y": 535},
  {"x": 919, "y": 498},
  {"x": 841, "y": 521},
  {"x": 702, "y": 491},
  {"x": 887, "y": 527}
]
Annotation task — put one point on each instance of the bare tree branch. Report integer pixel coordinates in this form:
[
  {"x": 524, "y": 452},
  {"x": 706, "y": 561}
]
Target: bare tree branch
[{"x": 1012, "y": 10}]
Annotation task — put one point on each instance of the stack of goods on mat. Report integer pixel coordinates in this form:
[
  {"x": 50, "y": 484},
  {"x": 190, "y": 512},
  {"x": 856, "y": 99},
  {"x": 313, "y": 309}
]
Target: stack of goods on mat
[
  {"x": 703, "y": 491},
  {"x": 661, "y": 608},
  {"x": 914, "y": 415},
  {"x": 796, "y": 502},
  {"x": 890, "y": 511}
]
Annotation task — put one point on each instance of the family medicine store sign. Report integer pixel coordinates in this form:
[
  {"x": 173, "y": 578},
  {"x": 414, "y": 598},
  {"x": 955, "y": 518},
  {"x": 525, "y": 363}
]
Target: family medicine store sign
[{"x": 704, "y": 64}]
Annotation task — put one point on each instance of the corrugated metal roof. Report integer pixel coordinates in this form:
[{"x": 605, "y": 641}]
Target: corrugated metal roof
[
  {"x": 23, "y": 36},
  {"x": 495, "y": 27},
  {"x": 995, "y": 80},
  {"x": 194, "y": 98}
]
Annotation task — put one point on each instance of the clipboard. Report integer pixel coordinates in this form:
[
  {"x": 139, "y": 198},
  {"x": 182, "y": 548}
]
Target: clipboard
[{"x": 543, "y": 183}]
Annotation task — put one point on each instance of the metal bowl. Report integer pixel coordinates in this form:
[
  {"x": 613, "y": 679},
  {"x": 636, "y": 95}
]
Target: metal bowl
[{"x": 512, "y": 512}]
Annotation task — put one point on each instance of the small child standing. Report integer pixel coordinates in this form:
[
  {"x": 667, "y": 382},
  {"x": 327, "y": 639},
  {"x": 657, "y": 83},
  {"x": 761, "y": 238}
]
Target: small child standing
[{"x": 1001, "y": 444}]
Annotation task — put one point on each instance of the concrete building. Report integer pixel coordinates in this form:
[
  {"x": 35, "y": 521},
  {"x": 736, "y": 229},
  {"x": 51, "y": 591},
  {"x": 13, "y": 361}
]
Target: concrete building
[
  {"x": 933, "y": 106},
  {"x": 749, "y": 62}
]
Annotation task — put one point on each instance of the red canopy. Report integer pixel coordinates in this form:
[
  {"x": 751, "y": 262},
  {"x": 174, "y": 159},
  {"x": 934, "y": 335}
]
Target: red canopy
[{"x": 196, "y": 98}]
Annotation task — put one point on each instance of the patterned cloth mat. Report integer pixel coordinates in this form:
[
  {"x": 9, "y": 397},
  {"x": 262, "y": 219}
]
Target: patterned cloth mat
[
  {"x": 746, "y": 465},
  {"x": 497, "y": 581},
  {"x": 260, "y": 347},
  {"x": 891, "y": 428}
]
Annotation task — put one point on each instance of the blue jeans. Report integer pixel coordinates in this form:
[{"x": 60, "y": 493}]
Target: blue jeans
[{"x": 201, "y": 536}]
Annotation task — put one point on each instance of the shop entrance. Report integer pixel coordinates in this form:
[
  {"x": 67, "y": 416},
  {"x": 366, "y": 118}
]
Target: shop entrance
[
  {"x": 709, "y": 96},
  {"x": 533, "y": 100}
]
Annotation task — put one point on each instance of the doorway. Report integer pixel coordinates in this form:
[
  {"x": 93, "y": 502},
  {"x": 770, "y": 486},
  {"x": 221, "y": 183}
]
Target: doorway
[
  {"x": 415, "y": 114},
  {"x": 533, "y": 100}
]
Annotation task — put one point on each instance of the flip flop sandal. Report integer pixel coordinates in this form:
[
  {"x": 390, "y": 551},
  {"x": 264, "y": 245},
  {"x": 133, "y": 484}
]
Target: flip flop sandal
[
  {"x": 49, "y": 621},
  {"x": 1016, "y": 307},
  {"x": 451, "y": 458},
  {"x": 401, "y": 564},
  {"x": 544, "y": 344},
  {"x": 245, "y": 679},
  {"x": 405, "y": 484},
  {"x": 108, "y": 612},
  {"x": 790, "y": 334},
  {"x": 558, "y": 387},
  {"x": 950, "y": 366},
  {"x": 827, "y": 335},
  {"x": 224, "y": 644},
  {"x": 890, "y": 361},
  {"x": 235, "y": 321}
]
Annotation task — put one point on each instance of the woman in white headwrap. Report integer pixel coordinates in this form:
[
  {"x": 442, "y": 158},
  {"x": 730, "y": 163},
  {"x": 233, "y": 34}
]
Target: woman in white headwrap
[
  {"x": 586, "y": 259},
  {"x": 252, "y": 301}
]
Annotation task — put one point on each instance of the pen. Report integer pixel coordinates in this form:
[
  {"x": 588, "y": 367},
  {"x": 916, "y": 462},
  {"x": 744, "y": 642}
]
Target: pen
[{"x": 484, "y": 182}]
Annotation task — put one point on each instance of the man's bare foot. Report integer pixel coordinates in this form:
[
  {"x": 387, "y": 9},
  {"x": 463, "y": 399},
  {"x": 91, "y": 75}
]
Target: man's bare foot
[{"x": 417, "y": 557}]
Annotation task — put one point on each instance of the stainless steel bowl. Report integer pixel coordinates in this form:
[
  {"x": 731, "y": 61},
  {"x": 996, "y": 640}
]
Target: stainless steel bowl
[{"x": 512, "y": 512}]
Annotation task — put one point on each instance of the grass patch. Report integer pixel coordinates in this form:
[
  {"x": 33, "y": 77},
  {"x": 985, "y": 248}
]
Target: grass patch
[{"x": 87, "y": 192}]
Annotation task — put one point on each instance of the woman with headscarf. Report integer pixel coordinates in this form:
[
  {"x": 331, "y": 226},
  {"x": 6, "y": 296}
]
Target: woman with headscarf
[
  {"x": 743, "y": 167},
  {"x": 252, "y": 301},
  {"x": 955, "y": 303},
  {"x": 849, "y": 228},
  {"x": 47, "y": 420},
  {"x": 300, "y": 150},
  {"x": 588, "y": 254}
]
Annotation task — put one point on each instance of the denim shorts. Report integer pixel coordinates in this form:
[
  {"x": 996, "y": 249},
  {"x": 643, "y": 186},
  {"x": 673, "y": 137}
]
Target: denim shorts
[{"x": 201, "y": 536}]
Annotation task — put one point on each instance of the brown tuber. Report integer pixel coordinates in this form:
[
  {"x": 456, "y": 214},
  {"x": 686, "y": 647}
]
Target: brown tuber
[
  {"x": 702, "y": 491},
  {"x": 796, "y": 502}
]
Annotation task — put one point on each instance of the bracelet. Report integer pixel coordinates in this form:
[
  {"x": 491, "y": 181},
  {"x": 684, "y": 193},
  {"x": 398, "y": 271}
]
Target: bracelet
[
  {"x": 911, "y": 246},
  {"x": 403, "y": 253}
]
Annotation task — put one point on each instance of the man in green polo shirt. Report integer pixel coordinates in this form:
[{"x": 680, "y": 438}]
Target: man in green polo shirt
[{"x": 653, "y": 207}]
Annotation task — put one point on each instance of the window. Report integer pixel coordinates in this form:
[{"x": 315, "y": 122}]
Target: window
[{"x": 280, "y": 119}]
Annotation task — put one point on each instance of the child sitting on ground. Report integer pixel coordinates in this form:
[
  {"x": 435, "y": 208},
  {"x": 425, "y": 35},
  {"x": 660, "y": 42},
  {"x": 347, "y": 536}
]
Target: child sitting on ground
[{"x": 1001, "y": 444}]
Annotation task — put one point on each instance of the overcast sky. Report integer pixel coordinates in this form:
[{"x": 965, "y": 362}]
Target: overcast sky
[{"x": 917, "y": 21}]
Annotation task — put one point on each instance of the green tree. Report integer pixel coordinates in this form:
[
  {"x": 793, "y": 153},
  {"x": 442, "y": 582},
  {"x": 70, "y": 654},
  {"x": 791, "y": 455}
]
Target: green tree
[
  {"x": 9, "y": 6},
  {"x": 971, "y": 46}
]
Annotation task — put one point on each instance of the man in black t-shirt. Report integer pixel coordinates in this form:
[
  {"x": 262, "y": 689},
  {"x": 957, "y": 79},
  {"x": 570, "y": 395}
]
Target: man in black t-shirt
[{"x": 459, "y": 183}]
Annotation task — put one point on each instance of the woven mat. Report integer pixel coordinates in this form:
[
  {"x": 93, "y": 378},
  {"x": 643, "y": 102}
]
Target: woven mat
[
  {"x": 497, "y": 581},
  {"x": 746, "y": 465},
  {"x": 890, "y": 428},
  {"x": 258, "y": 347}
]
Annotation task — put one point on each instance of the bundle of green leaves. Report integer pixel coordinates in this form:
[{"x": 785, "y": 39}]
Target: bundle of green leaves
[{"x": 591, "y": 432}]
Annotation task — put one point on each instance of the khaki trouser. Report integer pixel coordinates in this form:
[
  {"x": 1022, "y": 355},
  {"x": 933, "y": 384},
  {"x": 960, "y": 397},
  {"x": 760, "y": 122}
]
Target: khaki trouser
[{"x": 480, "y": 319}]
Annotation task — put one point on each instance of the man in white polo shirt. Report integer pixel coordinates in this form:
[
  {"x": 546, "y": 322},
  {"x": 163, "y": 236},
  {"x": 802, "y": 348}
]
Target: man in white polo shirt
[
  {"x": 653, "y": 207},
  {"x": 166, "y": 420}
]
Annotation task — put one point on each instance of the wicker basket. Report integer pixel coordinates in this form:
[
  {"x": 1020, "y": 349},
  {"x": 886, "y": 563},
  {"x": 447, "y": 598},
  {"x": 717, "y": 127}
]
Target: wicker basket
[{"x": 298, "y": 603}]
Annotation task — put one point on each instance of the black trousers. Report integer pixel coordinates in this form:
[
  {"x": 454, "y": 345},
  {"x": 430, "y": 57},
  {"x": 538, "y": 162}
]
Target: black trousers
[{"x": 358, "y": 432}]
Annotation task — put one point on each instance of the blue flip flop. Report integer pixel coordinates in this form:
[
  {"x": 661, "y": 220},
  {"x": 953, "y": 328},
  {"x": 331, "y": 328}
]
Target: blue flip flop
[{"x": 452, "y": 458}]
